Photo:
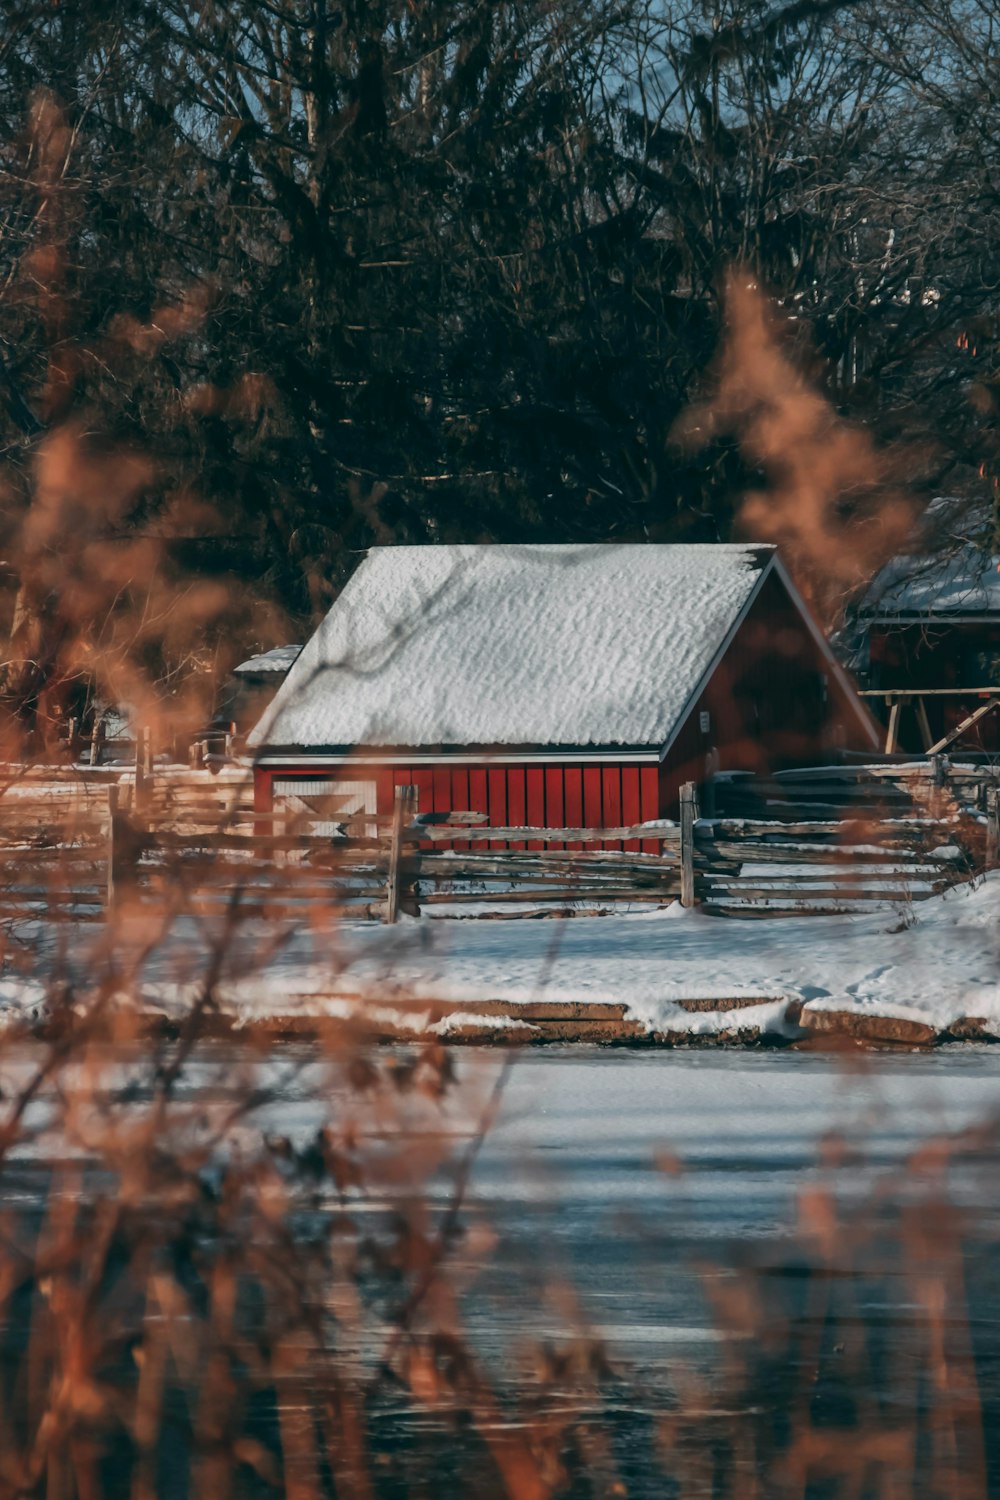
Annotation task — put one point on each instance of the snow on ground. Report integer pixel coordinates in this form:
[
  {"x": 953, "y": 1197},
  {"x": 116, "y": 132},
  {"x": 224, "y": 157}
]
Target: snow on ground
[{"x": 936, "y": 961}]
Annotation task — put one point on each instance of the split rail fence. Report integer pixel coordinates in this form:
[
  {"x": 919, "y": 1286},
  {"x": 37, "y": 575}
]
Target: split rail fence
[{"x": 826, "y": 840}]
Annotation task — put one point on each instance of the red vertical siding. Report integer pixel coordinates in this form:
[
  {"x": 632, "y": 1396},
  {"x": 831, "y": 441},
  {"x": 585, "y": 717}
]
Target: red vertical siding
[
  {"x": 573, "y": 798},
  {"x": 516, "y": 800},
  {"x": 478, "y": 799},
  {"x": 649, "y": 802},
  {"x": 460, "y": 796},
  {"x": 555, "y": 816},
  {"x": 554, "y": 796},
  {"x": 422, "y": 777},
  {"x": 611, "y": 801},
  {"x": 534, "y": 777},
  {"x": 497, "y": 781},
  {"x": 442, "y": 789},
  {"x": 630, "y": 802},
  {"x": 592, "y": 796},
  {"x": 263, "y": 799}
]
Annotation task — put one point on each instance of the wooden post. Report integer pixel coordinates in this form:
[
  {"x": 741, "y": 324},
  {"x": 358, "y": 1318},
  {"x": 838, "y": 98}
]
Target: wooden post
[
  {"x": 892, "y": 733},
  {"x": 143, "y": 769},
  {"x": 404, "y": 806},
  {"x": 95, "y": 739},
  {"x": 689, "y": 816},
  {"x": 992, "y": 827},
  {"x": 112, "y": 847}
]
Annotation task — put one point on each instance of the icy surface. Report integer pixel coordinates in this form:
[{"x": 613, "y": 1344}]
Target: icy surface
[{"x": 487, "y": 645}]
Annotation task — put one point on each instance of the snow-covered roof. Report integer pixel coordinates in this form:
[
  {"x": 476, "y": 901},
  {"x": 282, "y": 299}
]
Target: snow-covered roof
[
  {"x": 526, "y": 645},
  {"x": 278, "y": 659},
  {"x": 966, "y": 582}
]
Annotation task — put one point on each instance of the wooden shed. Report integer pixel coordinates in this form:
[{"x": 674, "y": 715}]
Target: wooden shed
[
  {"x": 929, "y": 643},
  {"x": 252, "y": 685},
  {"x": 553, "y": 686}
]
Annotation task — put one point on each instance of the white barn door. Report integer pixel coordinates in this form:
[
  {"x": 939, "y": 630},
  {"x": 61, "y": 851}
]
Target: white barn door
[{"x": 325, "y": 803}]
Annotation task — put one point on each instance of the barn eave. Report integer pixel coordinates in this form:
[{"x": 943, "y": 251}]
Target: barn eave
[{"x": 381, "y": 755}]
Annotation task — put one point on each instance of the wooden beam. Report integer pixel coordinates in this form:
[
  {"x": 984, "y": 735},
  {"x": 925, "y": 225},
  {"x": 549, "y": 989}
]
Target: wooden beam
[
  {"x": 438, "y": 833},
  {"x": 892, "y": 733},
  {"x": 890, "y": 694},
  {"x": 967, "y": 723},
  {"x": 559, "y": 894}
]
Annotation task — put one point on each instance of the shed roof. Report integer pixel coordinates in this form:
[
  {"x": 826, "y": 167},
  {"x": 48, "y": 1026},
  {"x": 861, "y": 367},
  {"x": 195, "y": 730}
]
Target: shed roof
[
  {"x": 515, "y": 645},
  {"x": 960, "y": 583},
  {"x": 278, "y": 659}
]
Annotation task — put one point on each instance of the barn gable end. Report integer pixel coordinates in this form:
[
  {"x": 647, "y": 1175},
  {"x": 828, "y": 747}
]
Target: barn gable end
[{"x": 775, "y": 696}]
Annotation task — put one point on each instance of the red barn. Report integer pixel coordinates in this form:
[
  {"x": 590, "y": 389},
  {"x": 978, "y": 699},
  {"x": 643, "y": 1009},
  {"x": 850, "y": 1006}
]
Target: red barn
[{"x": 553, "y": 686}]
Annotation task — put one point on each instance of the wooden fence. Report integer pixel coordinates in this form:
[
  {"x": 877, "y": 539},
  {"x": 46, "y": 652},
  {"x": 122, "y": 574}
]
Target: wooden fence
[
  {"x": 95, "y": 746},
  {"x": 730, "y": 865},
  {"x": 390, "y": 866},
  {"x": 817, "y": 841}
]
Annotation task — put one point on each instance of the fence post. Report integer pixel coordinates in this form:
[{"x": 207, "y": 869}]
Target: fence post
[
  {"x": 689, "y": 815},
  {"x": 992, "y": 827},
  {"x": 404, "y": 805},
  {"x": 112, "y": 847},
  {"x": 938, "y": 785},
  {"x": 96, "y": 737},
  {"x": 143, "y": 768}
]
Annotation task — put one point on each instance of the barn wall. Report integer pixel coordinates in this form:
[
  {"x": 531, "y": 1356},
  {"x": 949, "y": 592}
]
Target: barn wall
[
  {"x": 771, "y": 702},
  {"x": 575, "y": 795}
]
